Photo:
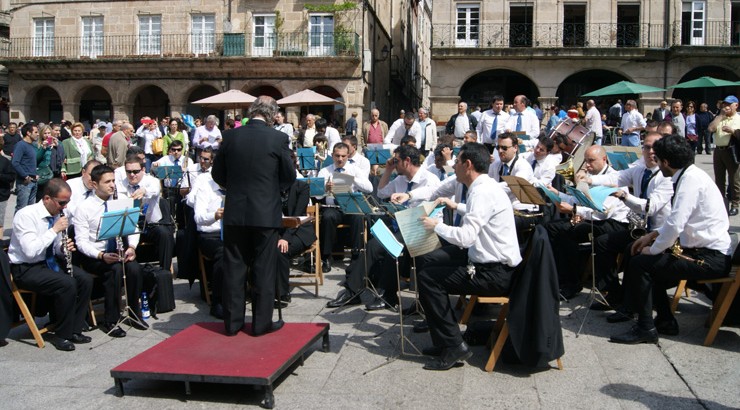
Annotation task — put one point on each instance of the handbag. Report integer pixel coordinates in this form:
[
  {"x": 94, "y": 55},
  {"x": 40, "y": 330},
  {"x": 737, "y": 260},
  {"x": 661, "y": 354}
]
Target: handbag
[{"x": 158, "y": 146}]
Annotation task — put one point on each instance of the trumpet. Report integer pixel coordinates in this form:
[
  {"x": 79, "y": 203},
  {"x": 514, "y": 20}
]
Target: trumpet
[{"x": 65, "y": 249}]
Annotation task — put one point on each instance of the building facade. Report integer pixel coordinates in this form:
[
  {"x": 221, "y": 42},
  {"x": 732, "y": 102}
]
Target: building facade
[
  {"x": 553, "y": 51},
  {"x": 89, "y": 60}
]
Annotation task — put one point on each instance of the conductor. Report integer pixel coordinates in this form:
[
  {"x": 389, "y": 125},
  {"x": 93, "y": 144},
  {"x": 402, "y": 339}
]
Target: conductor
[{"x": 254, "y": 166}]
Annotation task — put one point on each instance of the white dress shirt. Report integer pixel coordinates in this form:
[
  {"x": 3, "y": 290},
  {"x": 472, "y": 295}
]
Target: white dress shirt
[
  {"x": 193, "y": 172},
  {"x": 544, "y": 171},
  {"x": 530, "y": 123},
  {"x": 32, "y": 235},
  {"x": 518, "y": 168},
  {"x": 593, "y": 122},
  {"x": 632, "y": 119},
  {"x": 698, "y": 217},
  {"x": 169, "y": 161},
  {"x": 151, "y": 197},
  {"x": 79, "y": 193},
  {"x": 659, "y": 191},
  {"x": 398, "y": 133},
  {"x": 361, "y": 182},
  {"x": 332, "y": 138},
  {"x": 86, "y": 225},
  {"x": 208, "y": 200},
  {"x": 485, "y": 126},
  {"x": 427, "y": 139},
  {"x": 487, "y": 226},
  {"x": 400, "y": 184},
  {"x": 360, "y": 161},
  {"x": 213, "y": 137}
]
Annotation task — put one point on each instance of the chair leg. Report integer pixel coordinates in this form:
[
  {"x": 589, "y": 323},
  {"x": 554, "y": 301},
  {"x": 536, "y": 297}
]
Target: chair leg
[
  {"x": 93, "y": 319},
  {"x": 497, "y": 348},
  {"x": 204, "y": 277},
  {"x": 28, "y": 317},
  {"x": 719, "y": 311},
  {"x": 468, "y": 310},
  {"x": 560, "y": 364},
  {"x": 680, "y": 288}
]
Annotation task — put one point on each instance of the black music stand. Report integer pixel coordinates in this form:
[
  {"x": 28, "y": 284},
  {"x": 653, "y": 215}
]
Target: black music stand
[{"x": 116, "y": 225}]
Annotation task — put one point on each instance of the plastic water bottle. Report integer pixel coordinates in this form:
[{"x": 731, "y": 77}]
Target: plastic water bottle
[{"x": 145, "y": 312}]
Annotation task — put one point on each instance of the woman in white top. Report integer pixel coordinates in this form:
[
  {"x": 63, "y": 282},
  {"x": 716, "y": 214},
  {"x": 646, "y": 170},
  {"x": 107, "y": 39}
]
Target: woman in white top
[{"x": 147, "y": 133}]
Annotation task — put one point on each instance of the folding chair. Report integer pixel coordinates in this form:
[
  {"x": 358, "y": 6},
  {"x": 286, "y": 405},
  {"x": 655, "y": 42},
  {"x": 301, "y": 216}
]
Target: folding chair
[{"x": 316, "y": 278}]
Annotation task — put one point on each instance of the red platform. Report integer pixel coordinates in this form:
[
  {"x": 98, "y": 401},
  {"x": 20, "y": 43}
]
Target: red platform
[{"x": 203, "y": 353}]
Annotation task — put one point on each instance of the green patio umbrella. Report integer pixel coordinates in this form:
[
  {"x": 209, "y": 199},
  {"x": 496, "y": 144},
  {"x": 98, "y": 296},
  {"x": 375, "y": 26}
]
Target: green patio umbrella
[
  {"x": 705, "y": 82},
  {"x": 623, "y": 87}
]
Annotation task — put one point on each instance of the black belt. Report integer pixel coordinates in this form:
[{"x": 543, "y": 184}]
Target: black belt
[
  {"x": 489, "y": 265},
  {"x": 723, "y": 147}
]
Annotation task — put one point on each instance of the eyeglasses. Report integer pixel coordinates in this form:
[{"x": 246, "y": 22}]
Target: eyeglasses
[
  {"x": 503, "y": 147},
  {"x": 133, "y": 171},
  {"x": 60, "y": 203},
  {"x": 208, "y": 159},
  {"x": 647, "y": 147}
]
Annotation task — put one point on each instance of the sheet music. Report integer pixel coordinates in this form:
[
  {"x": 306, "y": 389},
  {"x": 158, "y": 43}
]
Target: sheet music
[
  {"x": 418, "y": 240},
  {"x": 555, "y": 198},
  {"x": 120, "y": 204},
  {"x": 342, "y": 183}
]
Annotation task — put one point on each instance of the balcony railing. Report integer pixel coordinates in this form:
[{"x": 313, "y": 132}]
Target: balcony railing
[
  {"x": 182, "y": 45},
  {"x": 606, "y": 35}
]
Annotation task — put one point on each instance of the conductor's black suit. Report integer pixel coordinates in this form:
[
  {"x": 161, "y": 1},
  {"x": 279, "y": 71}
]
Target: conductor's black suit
[{"x": 254, "y": 166}]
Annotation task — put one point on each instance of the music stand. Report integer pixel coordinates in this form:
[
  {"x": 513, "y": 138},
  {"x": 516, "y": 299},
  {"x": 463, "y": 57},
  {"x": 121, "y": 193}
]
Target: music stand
[
  {"x": 378, "y": 156},
  {"x": 315, "y": 186},
  {"x": 116, "y": 225},
  {"x": 306, "y": 158}
]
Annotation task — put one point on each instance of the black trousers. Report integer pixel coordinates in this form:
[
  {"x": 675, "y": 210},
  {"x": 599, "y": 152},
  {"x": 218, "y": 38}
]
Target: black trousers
[
  {"x": 164, "y": 243},
  {"x": 447, "y": 255},
  {"x": 564, "y": 238},
  {"x": 380, "y": 265},
  {"x": 295, "y": 247},
  {"x": 607, "y": 247},
  {"x": 212, "y": 247},
  {"x": 436, "y": 283},
  {"x": 244, "y": 247},
  {"x": 71, "y": 295},
  {"x": 648, "y": 276},
  {"x": 112, "y": 275},
  {"x": 330, "y": 218}
]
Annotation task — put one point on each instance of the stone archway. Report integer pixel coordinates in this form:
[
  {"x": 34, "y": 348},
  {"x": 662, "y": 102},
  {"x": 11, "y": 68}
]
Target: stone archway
[
  {"x": 266, "y": 90},
  {"x": 480, "y": 88},
  {"x": 200, "y": 92},
  {"x": 95, "y": 104},
  {"x": 332, "y": 113},
  {"x": 150, "y": 101},
  {"x": 46, "y": 105},
  {"x": 707, "y": 95}
]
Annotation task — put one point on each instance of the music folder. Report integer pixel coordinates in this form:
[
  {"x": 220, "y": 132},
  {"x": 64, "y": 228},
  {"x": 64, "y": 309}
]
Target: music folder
[
  {"x": 169, "y": 172},
  {"x": 122, "y": 222},
  {"x": 381, "y": 232},
  {"x": 353, "y": 203},
  {"x": 306, "y": 158},
  {"x": 315, "y": 185},
  {"x": 593, "y": 197}
]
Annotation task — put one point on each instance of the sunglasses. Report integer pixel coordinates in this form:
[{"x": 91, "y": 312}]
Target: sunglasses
[
  {"x": 60, "y": 203},
  {"x": 209, "y": 160},
  {"x": 175, "y": 149},
  {"x": 133, "y": 171},
  {"x": 503, "y": 147}
]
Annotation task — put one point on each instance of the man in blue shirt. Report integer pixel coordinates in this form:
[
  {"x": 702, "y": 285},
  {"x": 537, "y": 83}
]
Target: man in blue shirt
[{"x": 24, "y": 163}]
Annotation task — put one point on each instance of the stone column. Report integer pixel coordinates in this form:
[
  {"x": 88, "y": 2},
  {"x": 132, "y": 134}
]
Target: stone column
[
  {"x": 443, "y": 107},
  {"x": 545, "y": 104},
  {"x": 18, "y": 112},
  {"x": 647, "y": 104},
  {"x": 71, "y": 111},
  {"x": 177, "y": 109},
  {"x": 122, "y": 111}
]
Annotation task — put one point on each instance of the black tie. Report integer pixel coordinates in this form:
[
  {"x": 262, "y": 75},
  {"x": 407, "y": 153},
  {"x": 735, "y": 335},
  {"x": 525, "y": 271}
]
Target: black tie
[
  {"x": 110, "y": 244},
  {"x": 458, "y": 218},
  {"x": 645, "y": 181},
  {"x": 534, "y": 164}
]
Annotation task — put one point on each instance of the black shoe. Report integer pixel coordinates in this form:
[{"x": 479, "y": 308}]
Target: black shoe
[
  {"x": 450, "y": 357},
  {"x": 217, "y": 311},
  {"x": 112, "y": 330},
  {"x": 378, "y": 304},
  {"x": 733, "y": 211},
  {"x": 635, "y": 336},
  {"x": 432, "y": 351},
  {"x": 345, "y": 298},
  {"x": 3, "y": 342},
  {"x": 612, "y": 303},
  {"x": 139, "y": 324},
  {"x": 326, "y": 265},
  {"x": 570, "y": 291},
  {"x": 62, "y": 344},
  {"x": 411, "y": 310},
  {"x": 421, "y": 326},
  {"x": 279, "y": 304},
  {"x": 620, "y": 316},
  {"x": 79, "y": 338},
  {"x": 277, "y": 325},
  {"x": 666, "y": 326}
]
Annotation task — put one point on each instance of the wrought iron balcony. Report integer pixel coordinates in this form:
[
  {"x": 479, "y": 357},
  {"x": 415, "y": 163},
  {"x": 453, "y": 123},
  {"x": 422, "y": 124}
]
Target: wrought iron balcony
[
  {"x": 597, "y": 35},
  {"x": 181, "y": 46}
]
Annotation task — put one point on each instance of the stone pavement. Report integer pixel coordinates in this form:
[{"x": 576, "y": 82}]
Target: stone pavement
[{"x": 679, "y": 373}]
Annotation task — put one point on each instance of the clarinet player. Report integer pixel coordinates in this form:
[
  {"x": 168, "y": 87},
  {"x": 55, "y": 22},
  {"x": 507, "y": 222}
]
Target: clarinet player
[{"x": 38, "y": 263}]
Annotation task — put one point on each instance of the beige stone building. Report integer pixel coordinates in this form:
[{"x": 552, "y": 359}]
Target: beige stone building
[
  {"x": 555, "y": 50},
  {"x": 88, "y": 60}
]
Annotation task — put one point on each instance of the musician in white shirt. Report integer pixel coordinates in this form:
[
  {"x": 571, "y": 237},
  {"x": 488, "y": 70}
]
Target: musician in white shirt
[
  {"x": 38, "y": 263},
  {"x": 354, "y": 157},
  {"x": 492, "y": 123},
  {"x": 196, "y": 169},
  {"x": 102, "y": 258},
  {"x": 523, "y": 119},
  {"x": 699, "y": 221},
  {"x": 209, "y": 210},
  {"x": 543, "y": 164},
  {"x": 331, "y": 215},
  {"x": 81, "y": 188},
  {"x": 401, "y": 128}
]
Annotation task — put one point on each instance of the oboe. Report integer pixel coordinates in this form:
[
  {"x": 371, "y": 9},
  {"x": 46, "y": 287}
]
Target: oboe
[{"x": 65, "y": 248}]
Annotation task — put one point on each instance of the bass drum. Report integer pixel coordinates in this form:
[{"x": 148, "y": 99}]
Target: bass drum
[{"x": 575, "y": 132}]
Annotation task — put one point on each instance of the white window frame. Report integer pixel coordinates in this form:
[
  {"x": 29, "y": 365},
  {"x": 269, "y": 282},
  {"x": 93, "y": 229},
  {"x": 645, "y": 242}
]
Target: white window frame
[
  {"x": 203, "y": 37},
  {"x": 263, "y": 33},
  {"x": 43, "y": 42},
  {"x": 697, "y": 28},
  {"x": 321, "y": 42},
  {"x": 150, "y": 35},
  {"x": 92, "y": 36},
  {"x": 471, "y": 37}
]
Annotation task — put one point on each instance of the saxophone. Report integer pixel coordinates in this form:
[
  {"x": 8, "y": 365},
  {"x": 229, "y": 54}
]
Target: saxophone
[
  {"x": 638, "y": 223},
  {"x": 65, "y": 249},
  {"x": 677, "y": 251}
]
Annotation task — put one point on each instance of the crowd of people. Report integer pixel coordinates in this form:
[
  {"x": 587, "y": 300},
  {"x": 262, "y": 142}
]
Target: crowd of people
[{"x": 235, "y": 187}]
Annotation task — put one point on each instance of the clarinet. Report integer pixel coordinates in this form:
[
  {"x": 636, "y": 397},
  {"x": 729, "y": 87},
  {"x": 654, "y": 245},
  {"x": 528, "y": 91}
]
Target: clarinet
[
  {"x": 119, "y": 240},
  {"x": 65, "y": 249}
]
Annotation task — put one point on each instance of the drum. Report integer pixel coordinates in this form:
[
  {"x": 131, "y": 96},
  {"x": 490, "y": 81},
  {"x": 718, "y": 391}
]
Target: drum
[{"x": 575, "y": 132}]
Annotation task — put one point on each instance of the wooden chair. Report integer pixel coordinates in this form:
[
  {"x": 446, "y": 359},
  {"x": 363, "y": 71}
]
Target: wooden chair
[
  {"x": 315, "y": 279},
  {"x": 203, "y": 276},
  {"x": 28, "y": 317}
]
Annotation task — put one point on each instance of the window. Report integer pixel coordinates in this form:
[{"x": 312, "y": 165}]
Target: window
[
  {"x": 628, "y": 25},
  {"x": 264, "y": 35},
  {"x": 574, "y": 25},
  {"x": 520, "y": 29},
  {"x": 692, "y": 23},
  {"x": 92, "y": 36},
  {"x": 468, "y": 25},
  {"x": 150, "y": 35},
  {"x": 203, "y": 33},
  {"x": 43, "y": 37},
  {"x": 321, "y": 34}
]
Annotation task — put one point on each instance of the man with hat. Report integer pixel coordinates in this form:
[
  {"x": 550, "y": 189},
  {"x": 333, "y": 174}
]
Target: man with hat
[{"x": 724, "y": 127}]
